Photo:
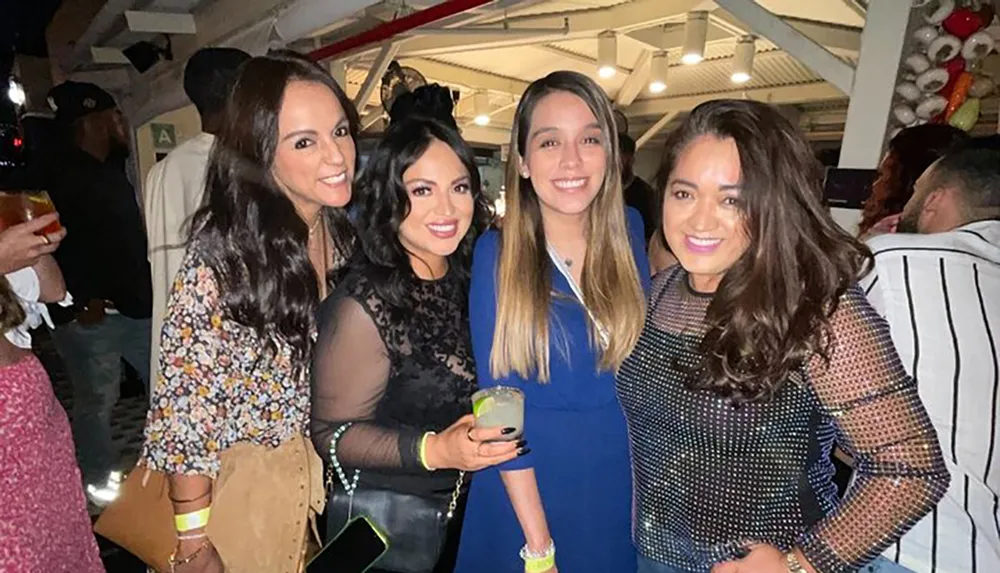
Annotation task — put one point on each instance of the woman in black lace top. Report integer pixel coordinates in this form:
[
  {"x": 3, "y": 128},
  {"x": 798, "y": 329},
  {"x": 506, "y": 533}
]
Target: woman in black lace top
[
  {"x": 393, "y": 373},
  {"x": 758, "y": 354}
]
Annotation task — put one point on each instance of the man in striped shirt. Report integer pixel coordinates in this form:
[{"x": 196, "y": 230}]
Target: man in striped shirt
[{"x": 937, "y": 283}]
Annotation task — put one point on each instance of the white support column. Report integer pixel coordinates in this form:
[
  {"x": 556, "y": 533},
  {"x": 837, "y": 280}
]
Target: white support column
[
  {"x": 804, "y": 49},
  {"x": 654, "y": 129},
  {"x": 883, "y": 42},
  {"x": 379, "y": 66}
]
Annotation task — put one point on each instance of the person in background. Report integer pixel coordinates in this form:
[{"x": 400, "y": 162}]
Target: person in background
[
  {"x": 228, "y": 422},
  {"x": 175, "y": 185},
  {"x": 44, "y": 524},
  {"x": 937, "y": 283},
  {"x": 910, "y": 153},
  {"x": 638, "y": 194},
  {"x": 104, "y": 259},
  {"x": 393, "y": 372},
  {"x": 758, "y": 353},
  {"x": 556, "y": 304}
]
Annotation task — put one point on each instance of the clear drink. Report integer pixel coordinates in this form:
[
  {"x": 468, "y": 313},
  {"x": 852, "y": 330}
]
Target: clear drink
[{"x": 500, "y": 407}]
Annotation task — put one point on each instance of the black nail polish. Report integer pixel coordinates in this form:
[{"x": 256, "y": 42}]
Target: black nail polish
[
  {"x": 521, "y": 444},
  {"x": 508, "y": 431},
  {"x": 523, "y": 451}
]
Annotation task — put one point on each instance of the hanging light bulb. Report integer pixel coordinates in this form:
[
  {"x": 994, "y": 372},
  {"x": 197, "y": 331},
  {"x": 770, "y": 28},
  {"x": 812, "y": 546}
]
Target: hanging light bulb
[
  {"x": 743, "y": 59},
  {"x": 658, "y": 72},
  {"x": 695, "y": 34},
  {"x": 481, "y": 107},
  {"x": 607, "y": 54}
]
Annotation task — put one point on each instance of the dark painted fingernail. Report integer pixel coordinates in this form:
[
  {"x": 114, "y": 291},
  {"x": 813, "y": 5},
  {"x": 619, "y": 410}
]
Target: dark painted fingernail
[
  {"x": 508, "y": 430},
  {"x": 523, "y": 451},
  {"x": 522, "y": 443}
]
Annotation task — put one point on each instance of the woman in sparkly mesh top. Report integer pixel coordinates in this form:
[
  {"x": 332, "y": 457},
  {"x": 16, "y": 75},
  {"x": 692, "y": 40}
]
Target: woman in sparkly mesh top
[{"x": 758, "y": 354}]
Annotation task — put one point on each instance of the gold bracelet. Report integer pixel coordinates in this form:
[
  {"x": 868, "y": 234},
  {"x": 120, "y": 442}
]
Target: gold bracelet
[{"x": 173, "y": 556}]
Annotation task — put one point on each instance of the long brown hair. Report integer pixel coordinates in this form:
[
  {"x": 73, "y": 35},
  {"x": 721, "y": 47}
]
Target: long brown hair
[
  {"x": 11, "y": 311},
  {"x": 610, "y": 280},
  {"x": 771, "y": 311},
  {"x": 911, "y": 152}
]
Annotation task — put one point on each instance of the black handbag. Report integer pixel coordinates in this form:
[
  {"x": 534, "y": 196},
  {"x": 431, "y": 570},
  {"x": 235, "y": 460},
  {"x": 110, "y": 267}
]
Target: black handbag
[{"x": 415, "y": 525}]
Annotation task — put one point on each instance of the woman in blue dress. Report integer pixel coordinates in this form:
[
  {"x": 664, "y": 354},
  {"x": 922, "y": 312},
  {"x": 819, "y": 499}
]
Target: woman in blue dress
[{"x": 556, "y": 304}]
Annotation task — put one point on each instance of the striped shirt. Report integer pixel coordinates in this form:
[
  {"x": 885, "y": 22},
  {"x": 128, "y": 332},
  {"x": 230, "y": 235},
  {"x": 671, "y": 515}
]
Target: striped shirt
[{"x": 940, "y": 294}]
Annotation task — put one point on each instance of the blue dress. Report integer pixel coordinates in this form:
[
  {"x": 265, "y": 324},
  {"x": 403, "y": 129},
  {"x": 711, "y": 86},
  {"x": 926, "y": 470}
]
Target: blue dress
[{"x": 577, "y": 435}]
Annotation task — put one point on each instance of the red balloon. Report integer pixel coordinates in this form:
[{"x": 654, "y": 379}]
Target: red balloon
[
  {"x": 954, "y": 67},
  {"x": 963, "y": 23}
]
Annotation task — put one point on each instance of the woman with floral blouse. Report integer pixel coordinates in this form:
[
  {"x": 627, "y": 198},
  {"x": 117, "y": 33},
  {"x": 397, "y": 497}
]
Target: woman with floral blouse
[{"x": 228, "y": 420}]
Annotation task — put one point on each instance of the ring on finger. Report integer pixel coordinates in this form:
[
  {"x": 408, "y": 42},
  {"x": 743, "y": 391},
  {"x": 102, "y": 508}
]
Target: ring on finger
[{"x": 46, "y": 238}]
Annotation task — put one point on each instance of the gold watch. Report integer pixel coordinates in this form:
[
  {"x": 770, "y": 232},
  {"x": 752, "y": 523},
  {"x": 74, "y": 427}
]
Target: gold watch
[{"x": 794, "y": 566}]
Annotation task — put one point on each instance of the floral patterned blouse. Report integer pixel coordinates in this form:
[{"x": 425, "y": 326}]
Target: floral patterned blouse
[{"x": 216, "y": 385}]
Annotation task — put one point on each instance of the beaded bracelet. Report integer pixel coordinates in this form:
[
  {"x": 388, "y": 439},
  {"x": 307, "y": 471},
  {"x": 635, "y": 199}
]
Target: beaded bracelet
[
  {"x": 348, "y": 487},
  {"x": 539, "y": 562}
]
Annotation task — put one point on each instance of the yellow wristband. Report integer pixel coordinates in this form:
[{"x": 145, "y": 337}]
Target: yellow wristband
[
  {"x": 423, "y": 451},
  {"x": 540, "y": 564},
  {"x": 193, "y": 520}
]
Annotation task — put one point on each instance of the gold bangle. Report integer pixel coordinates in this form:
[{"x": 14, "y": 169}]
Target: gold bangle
[
  {"x": 173, "y": 556},
  {"x": 423, "y": 451}
]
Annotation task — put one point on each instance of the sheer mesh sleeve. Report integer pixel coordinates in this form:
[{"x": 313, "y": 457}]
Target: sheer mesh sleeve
[
  {"x": 882, "y": 422},
  {"x": 350, "y": 372}
]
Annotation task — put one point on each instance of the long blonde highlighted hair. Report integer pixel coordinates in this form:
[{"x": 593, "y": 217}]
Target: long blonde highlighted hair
[{"x": 610, "y": 280}]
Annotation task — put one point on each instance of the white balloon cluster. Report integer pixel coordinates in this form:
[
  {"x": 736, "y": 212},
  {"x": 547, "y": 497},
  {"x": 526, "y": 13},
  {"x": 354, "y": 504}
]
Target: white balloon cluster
[{"x": 943, "y": 80}]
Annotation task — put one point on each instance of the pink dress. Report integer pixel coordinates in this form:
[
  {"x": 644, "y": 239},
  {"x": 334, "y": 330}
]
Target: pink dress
[{"x": 44, "y": 526}]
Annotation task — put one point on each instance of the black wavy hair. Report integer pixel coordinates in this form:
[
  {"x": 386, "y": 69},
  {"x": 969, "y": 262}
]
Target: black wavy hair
[
  {"x": 432, "y": 101},
  {"x": 248, "y": 230},
  {"x": 384, "y": 203}
]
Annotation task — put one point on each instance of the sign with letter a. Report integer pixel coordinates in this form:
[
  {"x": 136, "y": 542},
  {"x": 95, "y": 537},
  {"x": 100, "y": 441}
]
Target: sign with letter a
[{"x": 164, "y": 136}]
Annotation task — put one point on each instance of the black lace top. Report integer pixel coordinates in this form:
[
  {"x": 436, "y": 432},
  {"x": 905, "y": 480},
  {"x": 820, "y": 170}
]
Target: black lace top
[
  {"x": 711, "y": 478},
  {"x": 395, "y": 373}
]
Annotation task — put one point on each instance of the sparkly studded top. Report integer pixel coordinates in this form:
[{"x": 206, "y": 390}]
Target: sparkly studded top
[{"x": 710, "y": 478}]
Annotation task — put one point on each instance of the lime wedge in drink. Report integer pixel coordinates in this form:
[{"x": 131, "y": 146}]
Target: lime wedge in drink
[{"x": 483, "y": 405}]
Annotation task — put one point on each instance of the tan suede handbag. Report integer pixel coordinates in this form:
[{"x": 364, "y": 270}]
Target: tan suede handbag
[
  {"x": 264, "y": 504},
  {"x": 141, "y": 519}
]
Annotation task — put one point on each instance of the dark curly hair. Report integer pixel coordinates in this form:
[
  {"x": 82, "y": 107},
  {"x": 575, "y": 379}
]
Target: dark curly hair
[
  {"x": 771, "y": 311},
  {"x": 911, "y": 152},
  {"x": 383, "y": 203},
  {"x": 248, "y": 230}
]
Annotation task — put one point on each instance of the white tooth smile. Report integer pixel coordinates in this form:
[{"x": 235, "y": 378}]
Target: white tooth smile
[
  {"x": 442, "y": 228},
  {"x": 335, "y": 179},
  {"x": 704, "y": 242},
  {"x": 569, "y": 183}
]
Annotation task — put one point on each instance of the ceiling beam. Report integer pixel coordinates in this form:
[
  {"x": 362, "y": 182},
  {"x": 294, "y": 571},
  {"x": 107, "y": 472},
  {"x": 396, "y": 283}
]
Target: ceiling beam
[
  {"x": 580, "y": 58},
  {"x": 798, "y": 45},
  {"x": 486, "y": 134},
  {"x": 624, "y": 18},
  {"x": 105, "y": 56},
  {"x": 160, "y": 22},
  {"x": 636, "y": 80},
  {"x": 375, "y": 73},
  {"x": 815, "y": 91},
  {"x": 655, "y": 128},
  {"x": 451, "y": 74}
]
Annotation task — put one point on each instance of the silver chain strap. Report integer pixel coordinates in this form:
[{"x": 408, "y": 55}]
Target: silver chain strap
[
  {"x": 456, "y": 494},
  {"x": 349, "y": 487}
]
